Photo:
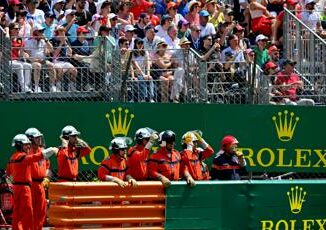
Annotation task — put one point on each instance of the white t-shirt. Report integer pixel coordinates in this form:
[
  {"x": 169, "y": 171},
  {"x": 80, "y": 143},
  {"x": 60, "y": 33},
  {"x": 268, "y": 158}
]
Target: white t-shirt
[
  {"x": 310, "y": 19},
  {"x": 36, "y": 48},
  {"x": 239, "y": 57},
  {"x": 37, "y": 17},
  {"x": 161, "y": 32},
  {"x": 207, "y": 30}
]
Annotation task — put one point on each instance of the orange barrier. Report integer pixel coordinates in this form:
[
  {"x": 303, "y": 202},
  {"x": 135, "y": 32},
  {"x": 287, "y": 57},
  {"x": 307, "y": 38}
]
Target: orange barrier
[{"x": 104, "y": 204}]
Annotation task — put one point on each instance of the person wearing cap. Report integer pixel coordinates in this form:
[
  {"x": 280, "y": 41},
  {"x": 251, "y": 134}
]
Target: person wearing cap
[
  {"x": 161, "y": 29},
  {"x": 13, "y": 9},
  {"x": 34, "y": 15},
  {"x": 261, "y": 51},
  {"x": 183, "y": 28},
  {"x": 102, "y": 17},
  {"x": 49, "y": 25},
  {"x": 39, "y": 48},
  {"x": 215, "y": 11},
  {"x": 116, "y": 26},
  {"x": 150, "y": 40},
  {"x": 274, "y": 55},
  {"x": 130, "y": 35},
  {"x": 171, "y": 10},
  {"x": 261, "y": 18},
  {"x": 143, "y": 21},
  {"x": 82, "y": 14},
  {"x": 311, "y": 17},
  {"x": 206, "y": 27},
  {"x": 155, "y": 20},
  {"x": 17, "y": 62},
  {"x": 193, "y": 14},
  {"x": 62, "y": 55},
  {"x": 288, "y": 83},
  {"x": 58, "y": 10},
  {"x": 70, "y": 24}
]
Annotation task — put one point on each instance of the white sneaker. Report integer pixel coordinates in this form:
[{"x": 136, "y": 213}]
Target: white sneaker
[
  {"x": 26, "y": 89},
  {"x": 152, "y": 101},
  {"x": 37, "y": 89},
  {"x": 53, "y": 89}
]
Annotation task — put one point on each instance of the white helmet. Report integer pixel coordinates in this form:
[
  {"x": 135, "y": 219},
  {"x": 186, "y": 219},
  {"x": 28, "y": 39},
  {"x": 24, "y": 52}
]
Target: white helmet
[
  {"x": 69, "y": 131},
  {"x": 142, "y": 134},
  {"x": 189, "y": 135},
  {"x": 120, "y": 143},
  {"x": 33, "y": 132},
  {"x": 19, "y": 140}
]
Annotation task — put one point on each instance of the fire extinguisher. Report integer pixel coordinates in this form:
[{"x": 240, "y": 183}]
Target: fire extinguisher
[{"x": 6, "y": 197}]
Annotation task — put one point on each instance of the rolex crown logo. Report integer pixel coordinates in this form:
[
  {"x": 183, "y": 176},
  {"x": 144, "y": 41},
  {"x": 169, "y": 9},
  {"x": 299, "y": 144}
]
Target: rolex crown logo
[
  {"x": 285, "y": 124},
  {"x": 119, "y": 122},
  {"x": 296, "y": 198}
]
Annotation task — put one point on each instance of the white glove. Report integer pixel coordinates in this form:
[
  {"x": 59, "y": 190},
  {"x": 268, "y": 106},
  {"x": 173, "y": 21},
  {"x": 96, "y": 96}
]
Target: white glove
[
  {"x": 47, "y": 153},
  {"x": 152, "y": 139}
]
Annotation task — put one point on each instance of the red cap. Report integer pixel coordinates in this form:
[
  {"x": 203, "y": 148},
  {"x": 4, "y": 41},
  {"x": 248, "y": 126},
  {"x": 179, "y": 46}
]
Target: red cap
[
  {"x": 82, "y": 29},
  {"x": 270, "y": 65},
  {"x": 272, "y": 49},
  {"x": 171, "y": 5},
  {"x": 292, "y": 2},
  {"x": 14, "y": 2}
]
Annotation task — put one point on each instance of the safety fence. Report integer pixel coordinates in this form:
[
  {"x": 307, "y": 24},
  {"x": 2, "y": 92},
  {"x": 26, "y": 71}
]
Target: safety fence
[{"x": 105, "y": 205}]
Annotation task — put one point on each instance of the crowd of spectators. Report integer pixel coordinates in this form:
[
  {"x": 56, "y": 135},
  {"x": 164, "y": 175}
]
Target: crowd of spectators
[{"x": 62, "y": 36}]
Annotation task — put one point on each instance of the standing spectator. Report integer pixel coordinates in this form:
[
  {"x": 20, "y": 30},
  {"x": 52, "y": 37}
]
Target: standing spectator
[
  {"x": 114, "y": 167},
  {"x": 261, "y": 19},
  {"x": 215, "y": 11},
  {"x": 229, "y": 162},
  {"x": 39, "y": 49},
  {"x": 243, "y": 42},
  {"x": 261, "y": 51},
  {"x": 18, "y": 56},
  {"x": 58, "y": 10},
  {"x": 155, "y": 20},
  {"x": 34, "y": 15},
  {"x": 172, "y": 12},
  {"x": 102, "y": 17},
  {"x": 125, "y": 13},
  {"x": 166, "y": 21},
  {"x": 164, "y": 165},
  {"x": 83, "y": 15},
  {"x": 49, "y": 25},
  {"x": 72, "y": 149},
  {"x": 183, "y": 28},
  {"x": 19, "y": 168},
  {"x": 61, "y": 58},
  {"x": 143, "y": 21},
  {"x": 288, "y": 83},
  {"x": 194, "y": 37},
  {"x": 40, "y": 172},
  {"x": 311, "y": 17},
  {"x": 193, "y": 157},
  {"x": 193, "y": 14},
  {"x": 116, "y": 27},
  {"x": 70, "y": 24},
  {"x": 206, "y": 27},
  {"x": 139, "y": 154}
]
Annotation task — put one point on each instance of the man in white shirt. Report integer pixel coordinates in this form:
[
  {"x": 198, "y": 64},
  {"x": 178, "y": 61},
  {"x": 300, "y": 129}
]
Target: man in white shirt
[
  {"x": 171, "y": 38},
  {"x": 34, "y": 15},
  {"x": 206, "y": 27},
  {"x": 310, "y": 17}
]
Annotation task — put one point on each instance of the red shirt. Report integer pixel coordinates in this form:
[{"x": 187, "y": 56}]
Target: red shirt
[
  {"x": 137, "y": 9},
  {"x": 16, "y": 44},
  {"x": 39, "y": 168},
  {"x": 155, "y": 20},
  {"x": 165, "y": 163},
  {"x": 290, "y": 92},
  {"x": 112, "y": 166},
  {"x": 192, "y": 162},
  {"x": 19, "y": 166},
  {"x": 67, "y": 158},
  {"x": 137, "y": 162}
]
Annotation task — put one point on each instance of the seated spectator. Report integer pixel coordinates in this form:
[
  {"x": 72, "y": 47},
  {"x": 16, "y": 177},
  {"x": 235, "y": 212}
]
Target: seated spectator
[
  {"x": 193, "y": 14},
  {"x": 183, "y": 28},
  {"x": 311, "y": 18},
  {"x": 194, "y": 37},
  {"x": 39, "y": 49},
  {"x": 206, "y": 27},
  {"x": 162, "y": 63},
  {"x": 18, "y": 59},
  {"x": 83, "y": 15},
  {"x": 58, "y": 10},
  {"x": 261, "y": 51},
  {"x": 143, "y": 21},
  {"x": 154, "y": 19},
  {"x": 235, "y": 49},
  {"x": 25, "y": 30},
  {"x": 243, "y": 42},
  {"x": 125, "y": 14},
  {"x": 288, "y": 83},
  {"x": 261, "y": 19},
  {"x": 172, "y": 12},
  {"x": 130, "y": 35},
  {"x": 166, "y": 21},
  {"x": 62, "y": 55},
  {"x": 274, "y": 56},
  {"x": 49, "y": 25},
  {"x": 102, "y": 17},
  {"x": 116, "y": 26},
  {"x": 171, "y": 39},
  {"x": 13, "y": 9},
  {"x": 150, "y": 40},
  {"x": 70, "y": 25},
  {"x": 34, "y": 15}
]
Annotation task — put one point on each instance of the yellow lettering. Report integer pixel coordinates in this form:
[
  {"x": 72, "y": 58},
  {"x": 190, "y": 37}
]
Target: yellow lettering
[
  {"x": 321, "y": 224},
  {"x": 84, "y": 161},
  {"x": 277, "y": 226},
  {"x": 94, "y": 158},
  {"x": 301, "y": 158},
  {"x": 248, "y": 154},
  {"x": 266, "y": 225},
  {"x": 322, "y": 158},
  {"x": 293, "y": 224},
  {"x": 281, "y": 159},
  {"x": 271, "y": 157},
  {"x": 306, "y": 225}
]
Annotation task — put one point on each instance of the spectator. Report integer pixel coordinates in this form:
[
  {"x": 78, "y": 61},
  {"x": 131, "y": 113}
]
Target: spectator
[
  {"x": 138, "y": 7},
  {"x": 172, "y": 12},
  {"x": 162, "y": 63},
  {"x": 18, "y": 59},
  {"x": 243, "y": 42},
  {"x": 171, "y": 39},
  {"x": 206, "y": 27},
  {"x": 116, "y": 27},
  {"x": 102, "y": 17},
  {"x": 229, "y": 163},
  {"x": 25, "y": 30},
  {"x": 143, "y": 69},
  {"x": 39, "y": 49},
  {"x": 261, "y": 19},
  {"x": 215, "y": 11},
  {"x": 83, "y": 15},
  {"x": 34, "y": 15},
  {"x": 13, "y": 9},
  {"x": 312, "y": 18},
  {"x": 70, "y": 25},
  {"x": 194, "y": 37},
  {"x": 183, "y": 7},
  {"x": 143, "y": 21},
  {"x": 228, "y": 15},
  {"x": 150, "y": 40},
  {"x": 193, "y": 157},
  {"x": 166, "y": 21},
  {"x": 164, "y": 165},
  {"x": 125, "y": 13},
  {"x": 235, "y": 50},
  {"x": 270, "y": 71},
  {"x": 61, "y": 58},
  {"x": 130, "y": 35},
  {"x": 183, "y": 28},
  {"x": 274, "y": 56},
  {"x": 193, "y": 16},
  {"x": 72, "y": 149},
  {"x": 288, "y": 83},
  {"x": 139, "y": 154},
  {"x": 114, "y": 167},
  {"x": 155, "y": 20},
  {"x": 49, "y": 25},
  {"x": 261, "y": 51},
  {"x": 58, "y": 10}
]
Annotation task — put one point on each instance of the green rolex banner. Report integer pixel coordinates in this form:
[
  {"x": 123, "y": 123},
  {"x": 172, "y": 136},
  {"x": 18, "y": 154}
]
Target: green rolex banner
[{"x": 272, "y": 138}]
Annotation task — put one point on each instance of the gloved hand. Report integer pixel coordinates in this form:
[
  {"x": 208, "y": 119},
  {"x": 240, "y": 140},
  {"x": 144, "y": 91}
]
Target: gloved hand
[
  {"x": 165, "y": 181},
  {"x": 81, "y": 143},
  {"x": 152, "y": 139},
  {"x": 121, "y": 183},
  {"x": 46, "y": 182},
  {"x": 133, "y": 182},
  {"x": 200, "y": 139},
  {"x": 47, "y": 153},
  {"x": 190, "y": 181},
  {"x": 239, "y": 154},
  {"x": 188, "y": 139}
]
